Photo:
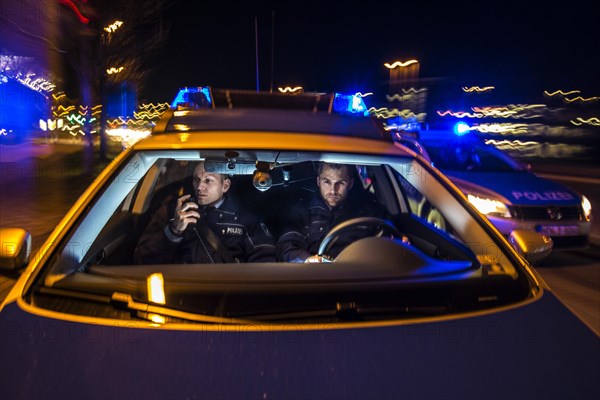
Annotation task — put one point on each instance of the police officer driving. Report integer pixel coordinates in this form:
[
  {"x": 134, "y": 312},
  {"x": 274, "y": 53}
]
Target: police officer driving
[{"x": 313, "y": 217}]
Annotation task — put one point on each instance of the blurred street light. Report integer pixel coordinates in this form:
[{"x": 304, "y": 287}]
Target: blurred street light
[
  {"x": 112, "y": 71},
  {"x": 112, "y": 28}
]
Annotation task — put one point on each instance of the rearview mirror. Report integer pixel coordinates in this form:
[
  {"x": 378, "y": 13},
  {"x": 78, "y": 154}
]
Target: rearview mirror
[{"x": 230, "y": 167}]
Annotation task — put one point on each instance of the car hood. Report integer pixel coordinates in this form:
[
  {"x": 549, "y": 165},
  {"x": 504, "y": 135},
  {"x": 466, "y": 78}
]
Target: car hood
[
  {"x": 539, "y": 350},
  {"x": 518, "y": 188}
]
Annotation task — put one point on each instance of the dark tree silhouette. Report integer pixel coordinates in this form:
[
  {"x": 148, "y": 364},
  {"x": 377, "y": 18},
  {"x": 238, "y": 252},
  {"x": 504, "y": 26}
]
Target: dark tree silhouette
[{"x": 120, "y": 35}]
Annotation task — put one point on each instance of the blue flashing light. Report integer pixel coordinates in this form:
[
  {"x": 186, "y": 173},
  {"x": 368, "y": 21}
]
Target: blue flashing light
[
  {"x": 193, "y": 98},
  {"x": 20, "y": 110},
  {"x": 461, "y": 128},
  {"x": 349, "y": 104}
]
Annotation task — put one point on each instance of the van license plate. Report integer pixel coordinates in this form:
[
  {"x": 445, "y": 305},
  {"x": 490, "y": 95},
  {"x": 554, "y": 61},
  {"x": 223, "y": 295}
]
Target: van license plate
[{"x": 559, "y": 230}]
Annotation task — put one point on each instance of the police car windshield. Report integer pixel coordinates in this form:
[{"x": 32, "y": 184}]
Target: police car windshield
[
  {"x": 471, "y": 157},
  {"x": 247, "y": 252}
]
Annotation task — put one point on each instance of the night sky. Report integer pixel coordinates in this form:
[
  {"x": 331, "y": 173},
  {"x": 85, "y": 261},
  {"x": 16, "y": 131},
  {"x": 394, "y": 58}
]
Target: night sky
[{"x": 333, "y": 45}]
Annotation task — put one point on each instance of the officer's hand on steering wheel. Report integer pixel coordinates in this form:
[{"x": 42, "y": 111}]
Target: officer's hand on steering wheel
[
  {"x": 317, "y": 259},
  {"x": 383, "y": 227}
]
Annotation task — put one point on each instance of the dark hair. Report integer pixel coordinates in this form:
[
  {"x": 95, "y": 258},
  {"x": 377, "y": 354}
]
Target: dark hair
[{"x": 322, "y": 164}]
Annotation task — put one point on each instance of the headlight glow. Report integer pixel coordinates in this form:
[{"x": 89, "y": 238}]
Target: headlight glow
[
  {"x": 587, "y": 207},
  {"x": 489, "y": 206}
]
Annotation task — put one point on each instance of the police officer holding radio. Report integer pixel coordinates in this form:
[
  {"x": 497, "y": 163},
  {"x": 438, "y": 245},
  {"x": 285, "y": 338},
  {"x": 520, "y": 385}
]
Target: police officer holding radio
[{"x": 209, "y": 227}]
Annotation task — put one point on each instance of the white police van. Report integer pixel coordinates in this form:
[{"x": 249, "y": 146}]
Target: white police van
[{"x": 507, "y": 191}]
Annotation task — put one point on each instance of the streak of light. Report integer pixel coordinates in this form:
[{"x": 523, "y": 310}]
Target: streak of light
[
  {"x": 590, "y": 121},
  {"x": 73, "y": 7},
  {"x": 560, "y": 92},
  {"x": 113, "y": 70},
  {"x": 289, "y": 89},
  {"x": 386, "y": 113},
  {"x": 478, "y": 89},
  {"x": 127, "y": 136},
  {"x": 459, "y": 114},
  {"x": 413, "y": 90},
  {"x": 581, "y": 99},
  {"x": 537, "y": 149},
  {"x": 400, "y": 64},
  {"x": 399, "y": 97},
  {"x": 113, "y": 27},
  {"x": 503, "y": 128}
]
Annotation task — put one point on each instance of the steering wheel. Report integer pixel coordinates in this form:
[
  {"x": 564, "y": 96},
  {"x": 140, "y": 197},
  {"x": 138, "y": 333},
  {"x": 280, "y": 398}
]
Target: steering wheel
[{"x": 380, "y": 223}]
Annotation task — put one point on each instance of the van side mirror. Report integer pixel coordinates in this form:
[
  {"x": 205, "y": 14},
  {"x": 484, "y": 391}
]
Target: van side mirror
[
  {"x": 15, "y": 248},
  {"x": 531, "y": 245}
]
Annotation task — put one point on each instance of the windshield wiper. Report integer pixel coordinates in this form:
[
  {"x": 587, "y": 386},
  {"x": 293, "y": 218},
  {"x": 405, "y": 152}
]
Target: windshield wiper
[
  {"x": 351, "y": 311},
  {"x": 143, "y": 310},
  {"x": 149, "y": 311}
]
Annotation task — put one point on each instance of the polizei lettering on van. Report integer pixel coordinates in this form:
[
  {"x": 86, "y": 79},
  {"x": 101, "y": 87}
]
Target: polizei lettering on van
[{"x": 543, "y": 196}]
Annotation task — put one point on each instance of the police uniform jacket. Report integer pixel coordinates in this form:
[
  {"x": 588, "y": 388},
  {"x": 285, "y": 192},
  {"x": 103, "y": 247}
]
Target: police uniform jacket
[
  {"x": 311, "y": 219},
  {"x": 240, "y": 232}
]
